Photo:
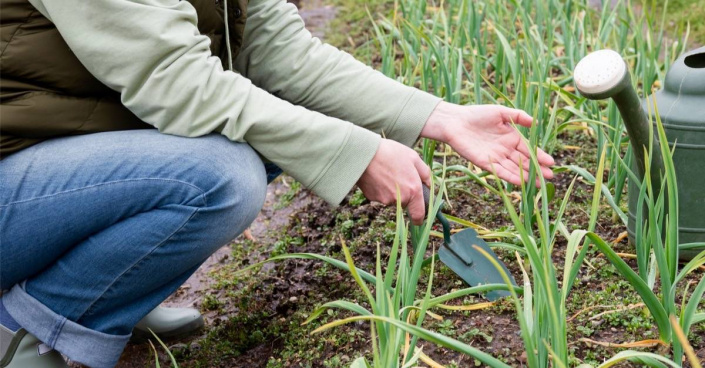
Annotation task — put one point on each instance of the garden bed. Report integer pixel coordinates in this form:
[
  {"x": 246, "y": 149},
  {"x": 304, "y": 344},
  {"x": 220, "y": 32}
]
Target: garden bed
[{"x": 254, "y": 319}]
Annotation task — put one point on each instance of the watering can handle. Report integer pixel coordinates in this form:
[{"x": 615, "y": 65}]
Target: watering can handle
[{"x": 442, "y": 219}]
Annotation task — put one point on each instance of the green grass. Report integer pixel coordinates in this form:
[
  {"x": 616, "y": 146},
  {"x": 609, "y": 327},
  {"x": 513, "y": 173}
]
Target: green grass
[{"x": 681, "y": 12}]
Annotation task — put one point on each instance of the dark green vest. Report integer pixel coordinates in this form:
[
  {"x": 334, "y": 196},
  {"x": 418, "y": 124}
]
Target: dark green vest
[{"x": 46, "y": 92}]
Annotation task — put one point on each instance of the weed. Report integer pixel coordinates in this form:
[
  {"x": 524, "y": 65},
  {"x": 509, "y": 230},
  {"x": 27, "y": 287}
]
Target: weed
[{"x": 286, "y": 198}]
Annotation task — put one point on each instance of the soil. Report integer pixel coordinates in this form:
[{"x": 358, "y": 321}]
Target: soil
[
  {"x": 261, "y": 314},
  {"x": 254, "y": 319}
]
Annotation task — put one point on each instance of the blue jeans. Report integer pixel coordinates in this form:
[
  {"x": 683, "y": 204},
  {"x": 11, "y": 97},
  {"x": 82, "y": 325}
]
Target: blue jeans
[{"x": 98, "y": 229}]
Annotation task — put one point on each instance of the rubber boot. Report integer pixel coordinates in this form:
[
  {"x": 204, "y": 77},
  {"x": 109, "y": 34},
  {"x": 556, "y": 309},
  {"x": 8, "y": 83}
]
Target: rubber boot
[
  {"x": 168, "y": 323},
  {"x": 22, "y": 350}
]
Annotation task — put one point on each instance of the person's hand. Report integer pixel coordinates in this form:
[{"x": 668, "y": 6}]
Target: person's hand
[
  {"x": 396, "y": 164},
  {"x": 484, "y": 135}
]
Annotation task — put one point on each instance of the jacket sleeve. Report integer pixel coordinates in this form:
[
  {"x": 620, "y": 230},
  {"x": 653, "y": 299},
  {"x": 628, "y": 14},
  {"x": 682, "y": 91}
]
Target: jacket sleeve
[
  {"x": 282, "y": 57},
  {"x": 152, "y": 53}
]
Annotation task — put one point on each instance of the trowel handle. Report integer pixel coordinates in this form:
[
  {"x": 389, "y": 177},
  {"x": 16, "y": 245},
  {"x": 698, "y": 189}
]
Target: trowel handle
[
  {"x": 442, "y": 219},
  {"x": 426, "y": 196}
]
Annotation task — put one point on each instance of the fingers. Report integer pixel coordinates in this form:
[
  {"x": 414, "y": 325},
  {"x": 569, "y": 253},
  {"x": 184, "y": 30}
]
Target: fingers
[
  {"x": 520, "y": 117},
  {"x": 521, "y": 160},
  {"x": 397, "y": 166},
  {"x": 546, "y": 172},
  {"x": 544, "y": 158},
  {"x": 509, "y": 171},
  {"x": 506, "y": 174},
  {"x": 514, "y": 168},
  {"x": 517, "y": 166},
  {"x": 424, "y": 171},
  {"x": 416, "y": 206},
  {"x": 525, "y": 163}
]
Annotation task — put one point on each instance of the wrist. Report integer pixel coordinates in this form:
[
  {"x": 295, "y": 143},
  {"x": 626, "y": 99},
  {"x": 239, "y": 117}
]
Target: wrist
[{"x": 437, "y": 125}]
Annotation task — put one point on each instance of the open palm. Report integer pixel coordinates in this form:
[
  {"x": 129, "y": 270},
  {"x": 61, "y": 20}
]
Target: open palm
[{"x": 485, "y": 135}]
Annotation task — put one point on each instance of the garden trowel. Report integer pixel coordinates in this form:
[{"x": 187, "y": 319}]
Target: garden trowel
[{"x": 460, "y": 254}]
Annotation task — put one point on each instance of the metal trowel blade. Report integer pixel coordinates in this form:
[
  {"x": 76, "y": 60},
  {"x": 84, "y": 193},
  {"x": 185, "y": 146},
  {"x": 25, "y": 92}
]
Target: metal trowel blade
[{"x": 471, "y": 265}]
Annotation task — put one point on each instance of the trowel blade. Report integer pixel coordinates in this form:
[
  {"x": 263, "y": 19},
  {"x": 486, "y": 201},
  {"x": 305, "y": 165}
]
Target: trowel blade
[{"x": 471, "y": 265}]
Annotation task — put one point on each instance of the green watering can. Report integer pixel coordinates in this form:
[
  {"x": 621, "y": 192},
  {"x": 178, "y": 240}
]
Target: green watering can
[{"x": 681, "y": 105}]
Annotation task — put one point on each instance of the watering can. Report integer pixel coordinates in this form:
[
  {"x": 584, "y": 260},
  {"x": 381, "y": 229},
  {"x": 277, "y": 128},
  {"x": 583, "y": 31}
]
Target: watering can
[{"x": 681, "y": 106}]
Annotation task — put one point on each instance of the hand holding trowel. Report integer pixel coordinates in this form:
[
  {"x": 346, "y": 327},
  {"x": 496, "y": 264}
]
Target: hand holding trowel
[{"x": 458, "y": 253}]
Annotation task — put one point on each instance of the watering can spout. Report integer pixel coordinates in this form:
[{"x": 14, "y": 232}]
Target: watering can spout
[{"x": 604, "y": 74}]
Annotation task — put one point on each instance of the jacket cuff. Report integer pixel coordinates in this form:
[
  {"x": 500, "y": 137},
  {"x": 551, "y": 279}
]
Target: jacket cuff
[
  {"x": 347, "y": 167},
  {"x": 412, "y": 118}
]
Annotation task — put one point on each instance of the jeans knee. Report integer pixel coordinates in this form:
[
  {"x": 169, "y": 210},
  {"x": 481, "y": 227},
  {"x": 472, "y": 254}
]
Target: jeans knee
[
  {"x": 235, "y": 184},
  {"x": 245, "y": 195}
]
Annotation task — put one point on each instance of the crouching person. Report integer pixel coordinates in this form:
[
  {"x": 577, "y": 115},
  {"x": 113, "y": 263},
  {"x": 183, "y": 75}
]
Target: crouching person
[{"x": 138, "y": 136}]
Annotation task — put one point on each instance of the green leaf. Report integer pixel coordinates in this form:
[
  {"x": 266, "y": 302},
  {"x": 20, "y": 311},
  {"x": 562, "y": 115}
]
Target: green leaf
[
  {"x": 342, "y": 304},
  {"x": 688, "y": 315},
  {"x": 652, "y": 302},
  {"x": 360, "y": 363},
  {"x": 643, "y": 357},
  {"x": 551, "y": 191},
  {"x": 425, "y": 334},
  {"x": 604, "y": 190},
  {"x": 168, "y": 352},
  {"x": 156, "y": 354},
  {"x": 471, "y": 290}
]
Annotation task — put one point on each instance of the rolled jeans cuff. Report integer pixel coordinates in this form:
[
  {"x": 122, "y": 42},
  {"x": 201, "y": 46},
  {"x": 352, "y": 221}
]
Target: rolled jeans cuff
[{"x": 97, "y": 349}]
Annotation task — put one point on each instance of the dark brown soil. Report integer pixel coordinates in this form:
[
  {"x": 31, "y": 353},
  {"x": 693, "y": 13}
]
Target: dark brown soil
[
  {"x": 254, "y": 319},
  {"x": 257, "y": 315}
]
